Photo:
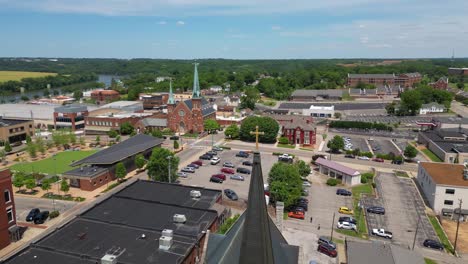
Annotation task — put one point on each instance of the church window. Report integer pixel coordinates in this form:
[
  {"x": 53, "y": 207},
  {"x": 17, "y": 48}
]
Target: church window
[{"x": 181, "y": 113}]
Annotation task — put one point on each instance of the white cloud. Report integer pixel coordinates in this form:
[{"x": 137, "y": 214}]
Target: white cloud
[
  {"x": 275, "y": 28},
  {"x": 364, "y": 39},
  {"x": 362, "y": 26},
  {"x": 162, "y": 22},
  {"x": 379, "y": 46},
  {"x": 180, "y": 23}
]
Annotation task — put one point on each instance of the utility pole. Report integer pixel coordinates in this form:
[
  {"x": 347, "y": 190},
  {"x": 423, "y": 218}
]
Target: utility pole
[
  {"x": 460, "y": 201},
  {"x": 416, "y": 233},
  {"x": 169, "y": 158},
  {"x": 332, "y": 225}
]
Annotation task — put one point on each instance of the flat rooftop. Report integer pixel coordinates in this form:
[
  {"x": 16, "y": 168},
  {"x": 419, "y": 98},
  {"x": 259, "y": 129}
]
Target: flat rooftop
[
  {"x": 445, "y": 173},
  {"x": 5, "y": 122},
  {"x": 338, "y": 106},
  {"x": 85, "y": 172}
]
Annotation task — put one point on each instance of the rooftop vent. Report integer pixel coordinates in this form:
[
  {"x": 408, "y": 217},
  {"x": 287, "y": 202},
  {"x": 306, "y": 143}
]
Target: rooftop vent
[
  {"x": 165, "y": 242},
  {"x": 167, "y": 232},
  {"x": 195, "y": 194},
  {"x": 109, "y": 259},
  {"x": 465, "y": 174},
  {"x": 179, "y": 218}
]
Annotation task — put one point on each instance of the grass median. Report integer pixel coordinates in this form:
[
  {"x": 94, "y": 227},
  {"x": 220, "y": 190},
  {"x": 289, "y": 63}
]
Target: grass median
[
  {"x": 431, "y": 155},
  {"x": 358, "y": 213},
  {"x": 441, "y": 234}
]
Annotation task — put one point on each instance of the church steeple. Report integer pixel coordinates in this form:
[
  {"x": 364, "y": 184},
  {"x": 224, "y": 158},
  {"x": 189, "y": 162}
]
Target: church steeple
[
  {"x": 170, "y": 100},
  {"x": 196, "y": 84}
]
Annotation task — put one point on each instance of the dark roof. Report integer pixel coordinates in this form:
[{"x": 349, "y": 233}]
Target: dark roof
[
  {"x": 369, "y": 252},
  {"x": 316, "y": 93},
  {"x": 154, "y": 122},
  {"x": 207, "y": 108},
  {"x": 368, "y": 76},
  {"x": 162, "y": 192},
  {"x": 338, "y": 106},
  {"x": 452, "y": 120},
  {"x": 4, "y": 122},
  {"x": 44, "y": 256},
  {"x": 85, "y": 172},
  {"x": 122, "y": 150},
  {"x": 71, "y": 109},
  {"x": 254, "y": 238},
  {"x": 444, "y": 139}
]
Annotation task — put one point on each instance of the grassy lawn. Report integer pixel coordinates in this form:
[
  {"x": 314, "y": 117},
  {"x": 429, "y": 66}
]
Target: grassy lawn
[
  {"x": 429, "y": 261},
  {"x": 440, "y": 233},
  {"x": 18, "y": 75},
  {"x": 431, "y": 155},
  {"x": 63, "y": 159},
  {"x": 286, "y": 146}
]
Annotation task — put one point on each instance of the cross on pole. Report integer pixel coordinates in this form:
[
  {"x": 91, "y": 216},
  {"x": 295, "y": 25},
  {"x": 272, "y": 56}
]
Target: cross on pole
[{"x": 256, "y": 133}]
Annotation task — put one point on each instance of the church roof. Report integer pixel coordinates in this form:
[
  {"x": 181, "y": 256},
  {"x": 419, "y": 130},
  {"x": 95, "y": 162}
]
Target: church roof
[
  {"x": 254, "y": 238},
  {"x": 207, "y": 108}
]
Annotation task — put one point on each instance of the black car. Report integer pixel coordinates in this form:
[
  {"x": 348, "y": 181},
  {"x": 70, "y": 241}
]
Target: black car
[
  {"x": 429, "y": 243},
  {"x": 298, "y": 209},
  {"x": 397, "y": 162},
  {"x": 303, "y": 199},
  {"x": 205, "y": 157},
  {"x": 243, "y": 170},
  {"x": 247, "y": 163},
  {"x": 41, "y": 217},
  {"x": 343, "y": 192},
  {"x": 216, "y": 179},
  {"x": 32, "y": 214},
  {"x": 350, "y": 156},
  {"x": 242, "y": 154},
  {"x": 303, "y": 205},
  {"x": 376, "y": 210},
  {"x": 174, "y": 138},
  {"x": 193, "y": 165},
  {"x": 347, "y": 219},
  {"x": 231, "y": 194},
  {"x": 212, "y": 153}
]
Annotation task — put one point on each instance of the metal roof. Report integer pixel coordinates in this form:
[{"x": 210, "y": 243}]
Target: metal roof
[
  {"x": 71, "y": 109},
  {"x": 337, "y": 166},
  {"x": 370, "y": 75},
  {"x": 154, "y": 122},
  {"x": 315, "y": 93}
]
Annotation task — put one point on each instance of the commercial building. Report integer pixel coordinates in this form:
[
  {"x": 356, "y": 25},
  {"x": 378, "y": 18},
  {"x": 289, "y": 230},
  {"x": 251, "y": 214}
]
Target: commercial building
[
  {"x": 111, "y": 119},
  {"x": 450, "y": 145},
  {"x": 15, "y": 130},
  {"x": 320, "y": 111},
  {"x": 450, "y": 122},
  {"x": 152, "y": 123},
  {"x": 405, "y": 80},
  {"x": 104, "y": 96},
  {"x": 99, "y": 169},
  {"x": 431, "y": 108},
  {"x": 154, "y": 101},
  {"x": 70, "y": 116},
  {"x": 335, "y": 170},
  {"x": 8, "y": 228},
  {"x": 443, "y": 186},
  {"x": 441, "y": 84},
  {"x": 144, "y": 223},
  {"x": 316, "y": 95},
  {"x": 458, "y": 73},
  {"x": 360, "y": 252}
]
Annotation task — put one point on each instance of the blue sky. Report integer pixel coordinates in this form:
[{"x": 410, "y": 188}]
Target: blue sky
[{"x": 237, "y": 29}]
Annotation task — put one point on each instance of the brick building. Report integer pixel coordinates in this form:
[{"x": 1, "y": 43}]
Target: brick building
[
  {"x": 458, "y": 72},
  {"x": 441, "y": 84},
  {"x": 104, "y": 96},
  {"x": 152, "y": 101},
  {"x": 70, "y": 116},
  {"x": 98, "y": 169},
  {"x": 7, "y": 210},
  {"x": 103, "y": 120},
  {"x": 298, "y": 129},
  {"x": 15, "y": 130},
  {"x": 189, "y": 115},
  {"x": 405, "y": 80}
]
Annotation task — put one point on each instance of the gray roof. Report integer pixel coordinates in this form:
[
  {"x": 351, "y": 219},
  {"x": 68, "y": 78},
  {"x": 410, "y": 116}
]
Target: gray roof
[
  {"x": 122, "y": 150},
  {"x": 71, "y": 109},
  {"x": 369, "y": 75},
  {"x": 338, "y": 106},
  {"x": 207, "y": 108},
  {"x": 316, "y": 93},
  {"x": 452, "y": 120},
  {"x": 369, "y": 252},
  {"x": 4, "y": 122},
  {"x": 85, "y": 172},
  {"x": 449, "y": 146},
  {"x": 154, "y": 122},
  {"x": 337, "y": 166},
  {"x": 430, "y": 105}
]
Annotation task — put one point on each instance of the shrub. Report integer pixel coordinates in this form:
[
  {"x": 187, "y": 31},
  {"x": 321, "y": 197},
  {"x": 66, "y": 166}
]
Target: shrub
[
  {"x": 54, "y": 214},
  {"x": 283, "y": 140},
  {"x": 367, "y": 154},
  {"x": 374, "y": 185},
  {"x": 332, "y": 182}
]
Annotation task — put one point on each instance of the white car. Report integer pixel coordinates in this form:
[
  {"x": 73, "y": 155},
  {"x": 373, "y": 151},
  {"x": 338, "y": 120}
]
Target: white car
[
  {"x": 215, "y": 160},
  {"x": 363, "y": 158},
  {"x": 346, "y": 225},
  {"x": 286, "y": 156},
  {"x": 306, "y": 184},
  {"x": 382, "y": 233},
  {"x": 182, "y": 174}
]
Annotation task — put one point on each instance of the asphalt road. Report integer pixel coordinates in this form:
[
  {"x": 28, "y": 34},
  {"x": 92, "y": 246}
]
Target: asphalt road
[{"x": 24, "y": 205}]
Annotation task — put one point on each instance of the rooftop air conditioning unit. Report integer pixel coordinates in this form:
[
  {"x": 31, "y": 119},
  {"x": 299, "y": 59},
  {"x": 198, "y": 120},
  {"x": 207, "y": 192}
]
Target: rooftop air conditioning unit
[
  {"x": 179, "y": 218},
  {"x": 465, "y": 174},
  {"x": 109, "y": 259},
  {"x": 165, "y": 242},
  {"x": 167, "y": 232},
  {"x": 195, "y": 194}
]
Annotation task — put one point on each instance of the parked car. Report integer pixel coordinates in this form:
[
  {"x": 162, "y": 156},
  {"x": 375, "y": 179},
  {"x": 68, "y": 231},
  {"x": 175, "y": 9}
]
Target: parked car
[
  {"x": 237, "y": 177},
  {"x": 231, "y": 194},
  {"x": 215, "y": 160},
  {"x": 378, "y": 160},
  {"x": 429, "y": 243},
  {"x": 247, "y": 163},
  {"x": 220, "y": 175},
  {"x": 227, "y": 170},
  {"x": 32, "y": 214},
  {"x": 298, "y": 209},
  {"x": 188, "y": 169},
  {"x": 376, "y": 210},
  {"x": 323, "y": 240},
  {"x": 303, "y": 205},
  {"x": 327, "y": 250},
  {"x": 348, "y": 219},
  {"x": 216, "y": 179},
  {"x": 350, "y": 156},
  {"x": 242, "y": 154},
  {"x": 212, "y": 153},
  {"x": 305, "y": 192},
  {"x": 303, "y": 199},
  {"x": 198, "y": 162},
  {"x": 397, "y": 162},
  {"x": 41, "y": 217},
  {"x": 205, "y": 157},
  {"x": 296, "y": 214},
  {"x": 216, "y": 148},
  {"x": 228, "y": 164},
  {"x": 284, "y": 159},
  {"x": 382, "y": 233},
  {"x": 343, "y": 192},
  {"x": 345, "y": 210},
  {"x": 243, "y": 170},
  {"x": 363, "y": 158},
  {"x": 346, "y": 225},
  {"x": 174, "y": 138},
  {"x": 193, "y": 165},
  {"x": 182, "y": 174},
  {"x": 306, "y": 184}
]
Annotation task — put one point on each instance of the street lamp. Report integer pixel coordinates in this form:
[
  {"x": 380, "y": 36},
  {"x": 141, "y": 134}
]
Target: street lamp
[{"x": 169, "y": 158}]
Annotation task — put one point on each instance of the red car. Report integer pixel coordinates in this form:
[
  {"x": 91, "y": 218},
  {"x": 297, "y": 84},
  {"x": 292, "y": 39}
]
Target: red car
[
  {"x": 296, "y": 214},
  {"x": 327, "y": 250},
  {"x": 219, "y": 175},
  {"x": 378, "y": 159},
  {"x": 227, "y": 170},
  {"x": 198, "y": 162}
]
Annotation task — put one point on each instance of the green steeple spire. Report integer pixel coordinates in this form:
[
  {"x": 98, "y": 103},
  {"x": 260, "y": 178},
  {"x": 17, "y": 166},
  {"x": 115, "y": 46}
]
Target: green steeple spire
[
  {"x": 196, "y": 85},
  {"x": 170, "y": 100}
]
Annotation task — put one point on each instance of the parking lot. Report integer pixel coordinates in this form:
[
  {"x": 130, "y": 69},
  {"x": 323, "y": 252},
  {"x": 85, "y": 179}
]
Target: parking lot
[
  {"x": 403, "y": 208},
  {"x": 381, "y": 146},
  {"x": 23, "y": 205},
  {"x": 359, "y": 143}
]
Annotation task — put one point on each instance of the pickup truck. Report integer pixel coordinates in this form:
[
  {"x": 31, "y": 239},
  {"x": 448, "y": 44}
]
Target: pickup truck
[
  {"x": 286, "y": 158},
  {"x": 382, "y": 233}
]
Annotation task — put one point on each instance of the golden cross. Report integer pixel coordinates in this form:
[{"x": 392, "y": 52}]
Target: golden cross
[{"x": 256, "y": 133}]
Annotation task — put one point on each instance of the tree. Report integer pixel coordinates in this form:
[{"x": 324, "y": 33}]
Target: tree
[
  {"x": 210, "y": 125},
  {"x": 176, "y": 144},
  {"x": 8, "y": 147},
  {"x": 18, "y": 180},
  {"x": 40, "y": 145},
  {"x": 2, "y": 154},
  {"x": 82, "y": 141},
  {"x": 126, "y": 128},
  {"x": 265, "y": 124},
  {"x": 24, "y": 98},
  {"x": 410, "y": 151},
  {"x": 28, "y": 139},
  {"x": 460, "y": 85},
  {"x": 140, "y": 161},
  {"x": 285, "y": 183},
  {"x": 335, "y": 144},
  {"x": 112, "y": 133},
  {"x": 158, "y": 165},
  {"x": 251, "y": 96},
  {"x": 32, "y": 150},
  {"x": 64, "y": 187},
  {"x": 72, "y": 138},
  {"x": 30, "y": 184},
  {"x": 98, "y": 140},
  {"x": 157, "y": 133},
  {"x": 390, "y": 108},
  {"x": 117, "y": 138},
  {"x": 303, "y": 168},
  {"x": 337, "y": 115},
  {"x": 77, "y": 95},
  {"x": 45, "y": 185},
  {"x": 410, "y": 102},
  {"x": 232, "y": 131},
  {"x": 120, "y": 171}
]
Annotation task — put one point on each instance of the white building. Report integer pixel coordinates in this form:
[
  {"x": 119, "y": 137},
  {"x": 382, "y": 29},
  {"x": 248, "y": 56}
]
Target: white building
[
  {"x": 431, "y": 108},
  {"x": 319, "y": 111},
  {"x": 444, "y": 185},
  {"x": 348, "y": 176}
]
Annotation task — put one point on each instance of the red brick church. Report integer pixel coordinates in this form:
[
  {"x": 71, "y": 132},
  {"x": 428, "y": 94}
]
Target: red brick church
[{"x": 189, "y": 115}]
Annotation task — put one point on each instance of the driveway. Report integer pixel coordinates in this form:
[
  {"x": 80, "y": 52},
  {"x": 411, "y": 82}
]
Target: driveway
[{"x": 24, "y": 205}]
